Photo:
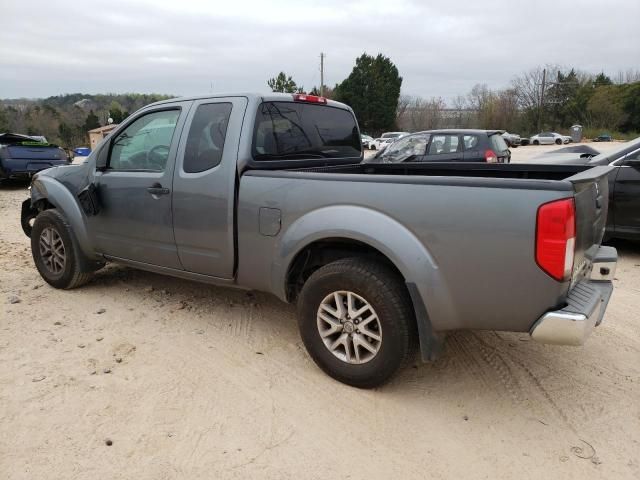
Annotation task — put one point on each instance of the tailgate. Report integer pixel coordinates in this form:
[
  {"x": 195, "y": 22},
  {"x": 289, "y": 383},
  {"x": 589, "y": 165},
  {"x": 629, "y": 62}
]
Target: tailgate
[{"x": 591, "y": 189}]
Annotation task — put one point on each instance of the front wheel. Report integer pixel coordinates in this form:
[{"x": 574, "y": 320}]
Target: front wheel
[
  {"x": 558, "y": 141},
  {"x": 536, "y": 142},
  {"x": 55, "y": 251},
  {"x": 356, "y": 321}
]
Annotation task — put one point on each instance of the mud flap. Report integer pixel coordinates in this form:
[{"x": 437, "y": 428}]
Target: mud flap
[{"x": 27, "y": 214}]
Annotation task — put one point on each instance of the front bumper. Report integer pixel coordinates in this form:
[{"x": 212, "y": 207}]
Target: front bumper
[{"x": 586, "y": 304}]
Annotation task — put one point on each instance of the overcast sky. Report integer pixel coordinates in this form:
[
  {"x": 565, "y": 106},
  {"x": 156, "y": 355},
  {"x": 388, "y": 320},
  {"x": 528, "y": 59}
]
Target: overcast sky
[{"x": 184, "y": 47}]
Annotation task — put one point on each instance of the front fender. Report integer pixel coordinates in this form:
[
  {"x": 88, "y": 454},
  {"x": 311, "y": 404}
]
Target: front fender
[
  {"x": 410, "y": 256},
  {"x": 48, "y": 188}
]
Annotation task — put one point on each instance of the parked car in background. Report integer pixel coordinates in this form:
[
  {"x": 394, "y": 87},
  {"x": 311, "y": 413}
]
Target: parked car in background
[
  {"x": 366, "y": 141},
  {"x": 377, "y": 257},
  {"x": 512, "y": 139},
  {"x": 385, "y": 139},
  {"x": 623, "y": 220},
  {"x": 603, "y": 137},
  {"x": 21, "y": 156},
  {"x": 460, "y": 145},
  {"x": 549, "y": 138}
]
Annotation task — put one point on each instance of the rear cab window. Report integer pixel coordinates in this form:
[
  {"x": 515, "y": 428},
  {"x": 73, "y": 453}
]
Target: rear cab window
[{"x": 292, "y": 130}]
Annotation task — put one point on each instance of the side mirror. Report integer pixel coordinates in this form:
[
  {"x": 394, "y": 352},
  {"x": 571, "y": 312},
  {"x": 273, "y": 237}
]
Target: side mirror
[{"x": 103, "y": 157}]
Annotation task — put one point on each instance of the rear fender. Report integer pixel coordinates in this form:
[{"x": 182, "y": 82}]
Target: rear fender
[{"x": 429, "y": 293}]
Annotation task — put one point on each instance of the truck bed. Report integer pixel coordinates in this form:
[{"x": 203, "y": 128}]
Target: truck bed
[
  {"x": 466, "y": 170},
  {"x": 476, "y": 224}
]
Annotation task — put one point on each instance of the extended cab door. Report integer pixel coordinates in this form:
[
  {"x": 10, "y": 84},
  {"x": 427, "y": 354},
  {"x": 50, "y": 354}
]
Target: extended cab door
[
  {"x": 135, "y": 221},
  {"x": 204, "y": 186},
  {"x": 626, "y": 196}
]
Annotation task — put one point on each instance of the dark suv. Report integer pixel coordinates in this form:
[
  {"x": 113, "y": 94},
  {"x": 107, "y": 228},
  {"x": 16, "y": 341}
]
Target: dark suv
[
  {"x": 446, "y": 146},
  {"x": 22, "y": 156}
]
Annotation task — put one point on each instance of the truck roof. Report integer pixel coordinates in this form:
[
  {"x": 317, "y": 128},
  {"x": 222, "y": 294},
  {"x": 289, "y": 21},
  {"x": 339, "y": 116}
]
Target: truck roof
[{"x": 263, "y": 97}]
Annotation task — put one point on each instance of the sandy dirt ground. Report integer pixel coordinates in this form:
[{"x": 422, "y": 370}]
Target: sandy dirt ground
[{"x": 189, "y": 381}]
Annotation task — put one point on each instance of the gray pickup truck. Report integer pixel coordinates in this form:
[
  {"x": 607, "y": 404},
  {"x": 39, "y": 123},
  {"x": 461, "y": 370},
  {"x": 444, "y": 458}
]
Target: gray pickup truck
[{"x": 268, "y": 193}]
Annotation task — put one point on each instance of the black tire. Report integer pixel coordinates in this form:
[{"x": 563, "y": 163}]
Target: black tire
[
  {"x": 372, "y": 147},
  {"x": 71, "y": 274},
  {"x": 558, "y": 141},
  {"x": 536, "y": 142},
  {"x": 384, "y": 290}
]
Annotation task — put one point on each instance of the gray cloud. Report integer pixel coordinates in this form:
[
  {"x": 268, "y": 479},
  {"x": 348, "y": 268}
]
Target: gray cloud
[{"x": 441, "y": 49}]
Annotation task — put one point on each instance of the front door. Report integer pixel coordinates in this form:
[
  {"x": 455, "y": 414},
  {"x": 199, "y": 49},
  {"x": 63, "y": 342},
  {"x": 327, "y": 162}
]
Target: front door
[
  {"x": 135, "y": 221},
  {"x": 626, "y": 196}
]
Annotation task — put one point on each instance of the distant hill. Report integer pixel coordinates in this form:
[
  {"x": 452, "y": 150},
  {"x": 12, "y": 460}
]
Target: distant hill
[{"x": 65, "y": 119}]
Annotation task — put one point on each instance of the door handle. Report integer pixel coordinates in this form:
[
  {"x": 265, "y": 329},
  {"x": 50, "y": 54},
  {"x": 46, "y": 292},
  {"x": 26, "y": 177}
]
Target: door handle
[{"x": 157, "y": 189}]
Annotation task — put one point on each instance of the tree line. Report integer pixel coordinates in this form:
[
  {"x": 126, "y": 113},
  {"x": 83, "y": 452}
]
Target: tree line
[
  {"x": 372, "y": 89},
  {"x": 65, "y": 119},
  {"x": 548, "y": 97}
]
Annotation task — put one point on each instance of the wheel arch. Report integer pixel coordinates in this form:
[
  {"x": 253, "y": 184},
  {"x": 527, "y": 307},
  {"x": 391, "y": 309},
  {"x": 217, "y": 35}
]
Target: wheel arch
[
  {"x": 46, "y": 193},
  {"x": 330, "y": 233}
]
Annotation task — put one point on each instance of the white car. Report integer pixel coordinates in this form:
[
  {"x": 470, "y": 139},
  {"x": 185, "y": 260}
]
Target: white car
[
  {"x": 366, "y": 141},
  {"x": 386, "y": 139},
  {"x": 549, "y": 138}
]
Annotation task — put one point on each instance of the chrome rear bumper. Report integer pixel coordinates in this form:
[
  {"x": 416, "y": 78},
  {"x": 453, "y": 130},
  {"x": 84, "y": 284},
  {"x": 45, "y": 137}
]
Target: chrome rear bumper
[{"x": 586, "y": 304}]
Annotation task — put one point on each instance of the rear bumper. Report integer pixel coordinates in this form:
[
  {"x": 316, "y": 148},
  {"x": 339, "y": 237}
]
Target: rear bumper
[
  {"x": 13, "y": 170},
  {"x": 586, "y": 305}
]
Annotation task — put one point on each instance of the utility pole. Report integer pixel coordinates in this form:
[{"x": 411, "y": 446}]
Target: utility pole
[
  {"x": 544, "y": 81},
  {"x": 321, "y": 74}
]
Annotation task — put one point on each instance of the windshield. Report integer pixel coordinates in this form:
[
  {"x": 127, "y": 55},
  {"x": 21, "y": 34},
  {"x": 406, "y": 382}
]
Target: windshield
[{"x": 288, "y": 130}]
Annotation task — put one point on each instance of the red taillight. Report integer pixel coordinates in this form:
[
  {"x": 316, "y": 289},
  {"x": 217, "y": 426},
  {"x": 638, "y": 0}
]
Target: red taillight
[
  {"x": 555, "y": 238},
  {"x": 490, "y": 156},
  {"x": 302, "y": 97}
]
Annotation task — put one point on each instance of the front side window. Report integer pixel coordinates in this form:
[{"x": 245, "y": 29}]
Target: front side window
[
  {"x": 442, "y": 144},
  {"x": 144, "y": 144},
  {"x": 290, "y": 130},
  {"x": 207, "y": 133}
]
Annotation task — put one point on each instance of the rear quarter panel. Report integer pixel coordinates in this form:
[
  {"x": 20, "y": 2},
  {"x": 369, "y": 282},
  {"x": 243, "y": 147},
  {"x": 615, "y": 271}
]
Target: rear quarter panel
[{"x": 469, "y": 250}]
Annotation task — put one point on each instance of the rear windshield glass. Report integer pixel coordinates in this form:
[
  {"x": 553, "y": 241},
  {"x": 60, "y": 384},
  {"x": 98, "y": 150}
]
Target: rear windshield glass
[
  {"x": 288, "y": 130},
  {"x": 497, "y": 143}
]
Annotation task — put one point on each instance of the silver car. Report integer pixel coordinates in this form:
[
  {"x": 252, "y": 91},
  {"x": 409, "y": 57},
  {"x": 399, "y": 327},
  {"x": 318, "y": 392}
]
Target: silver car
[{"x": 549, "y": 138}]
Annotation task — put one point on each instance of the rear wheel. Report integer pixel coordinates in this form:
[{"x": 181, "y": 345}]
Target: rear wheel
[
  {"x": 356, "y": 321},
  {"x": 55, "y": 251}
]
